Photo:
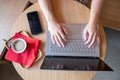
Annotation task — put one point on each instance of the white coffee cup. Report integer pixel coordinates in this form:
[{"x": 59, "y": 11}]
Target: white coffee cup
[{"x": 19, "y": 45}]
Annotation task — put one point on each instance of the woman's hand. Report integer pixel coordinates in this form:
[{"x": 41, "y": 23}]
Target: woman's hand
[
  {"x": 91, "y": 34},
  {"x": 58, "y": 33}
]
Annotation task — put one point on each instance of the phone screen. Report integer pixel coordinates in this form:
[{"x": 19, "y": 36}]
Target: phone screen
[{"x": 34, "y": 23}]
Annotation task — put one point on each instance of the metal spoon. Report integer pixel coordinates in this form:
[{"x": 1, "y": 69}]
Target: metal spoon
[{"x": 9, "y": 43}]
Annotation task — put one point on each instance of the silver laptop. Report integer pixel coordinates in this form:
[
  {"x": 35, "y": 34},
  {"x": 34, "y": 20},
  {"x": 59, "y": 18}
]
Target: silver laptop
[
  {"x": 75, "y": 45},
  {"x": 75, "y": 55}
]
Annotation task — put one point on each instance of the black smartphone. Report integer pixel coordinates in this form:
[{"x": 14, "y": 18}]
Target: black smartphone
[{"x": 34, "y": 23}]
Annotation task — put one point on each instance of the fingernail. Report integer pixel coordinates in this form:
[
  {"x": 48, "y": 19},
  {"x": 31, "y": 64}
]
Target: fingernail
[
  {"x": 62, "y": 45},
  {"x": 65, "y": 40},
  {"x": 89, "y": 46},
  {"x": 54, "y": 43},
  {"x": 59, "y": 45},
  {"x": 85, "y": 43}
]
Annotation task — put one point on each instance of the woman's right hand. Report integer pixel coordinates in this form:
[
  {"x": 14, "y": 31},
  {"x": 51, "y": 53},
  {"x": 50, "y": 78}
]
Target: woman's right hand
[{"x": 58, "y": 33}]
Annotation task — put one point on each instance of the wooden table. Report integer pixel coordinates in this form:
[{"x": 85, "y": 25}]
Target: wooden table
[{"x": 64, "y": 14}]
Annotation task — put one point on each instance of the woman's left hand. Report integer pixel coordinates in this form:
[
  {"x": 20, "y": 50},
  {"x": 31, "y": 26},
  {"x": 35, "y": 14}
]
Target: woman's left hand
[{"x": 91, "y": 35}]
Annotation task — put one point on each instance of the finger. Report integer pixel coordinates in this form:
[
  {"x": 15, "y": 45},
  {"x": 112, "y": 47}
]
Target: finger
[
  {"x": 93, "y": 41},
  {"x": 57, "y": 41},
  {"x": 65, "y": 31},
  {"x": 98, "y": 38},
  {"x": 85, "y": 35},
  {"x": 60, "y": 40},
  {"x": 53, "y": 40},
  {"x": 90, "y": 36},
  {"x": 62, "y": 36}
]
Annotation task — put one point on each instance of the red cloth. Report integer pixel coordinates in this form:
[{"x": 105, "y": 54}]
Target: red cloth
[{"x": 27, "y": 57}]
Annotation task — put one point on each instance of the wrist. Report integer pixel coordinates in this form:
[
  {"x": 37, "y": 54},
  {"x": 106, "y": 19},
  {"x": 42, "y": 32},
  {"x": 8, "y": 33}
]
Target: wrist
[
  {"x": 93, "y": 22},
  {"x": 52, "y": 23},
  {"x": 50, "y": 19}
]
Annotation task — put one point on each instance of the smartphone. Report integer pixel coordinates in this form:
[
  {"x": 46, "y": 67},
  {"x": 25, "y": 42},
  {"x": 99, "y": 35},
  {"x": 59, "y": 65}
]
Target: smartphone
[{"x": 34, "y": 23}]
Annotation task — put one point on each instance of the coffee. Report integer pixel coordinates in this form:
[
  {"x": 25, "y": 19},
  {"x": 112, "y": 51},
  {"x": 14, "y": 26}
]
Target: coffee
[{"x": 19, "y": 45}]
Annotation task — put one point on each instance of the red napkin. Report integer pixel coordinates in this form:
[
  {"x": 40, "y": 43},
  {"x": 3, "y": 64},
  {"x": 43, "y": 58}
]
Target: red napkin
[{"x": 27, "y": 57}]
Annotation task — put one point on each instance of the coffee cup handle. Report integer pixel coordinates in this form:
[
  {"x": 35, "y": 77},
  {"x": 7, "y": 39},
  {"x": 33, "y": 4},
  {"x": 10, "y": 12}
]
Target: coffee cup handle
[
  {"x": 22, "y": 32},
  {"x": 8, "y": 46}
]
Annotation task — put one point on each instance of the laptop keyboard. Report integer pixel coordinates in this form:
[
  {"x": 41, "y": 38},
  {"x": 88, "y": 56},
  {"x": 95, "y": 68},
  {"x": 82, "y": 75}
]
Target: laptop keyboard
[{"x": 75, "y": 45}]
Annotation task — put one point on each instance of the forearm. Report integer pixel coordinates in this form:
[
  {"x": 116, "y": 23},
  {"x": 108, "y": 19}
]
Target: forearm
[
  {"x": 47, "y": 10},
  {"x": 96, "y": 6}
]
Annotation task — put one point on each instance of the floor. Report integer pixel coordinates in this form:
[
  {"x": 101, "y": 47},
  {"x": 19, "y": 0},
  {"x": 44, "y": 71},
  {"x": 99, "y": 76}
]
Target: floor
[
  {"x": 112, "y": 57},
  {"x": 7, "y": 71},
  {"x": 9, "y": 11}
]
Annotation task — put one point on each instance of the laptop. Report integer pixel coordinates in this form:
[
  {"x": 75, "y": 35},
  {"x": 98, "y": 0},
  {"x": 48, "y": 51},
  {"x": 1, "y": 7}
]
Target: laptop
[{"x": 75, "y": 55}]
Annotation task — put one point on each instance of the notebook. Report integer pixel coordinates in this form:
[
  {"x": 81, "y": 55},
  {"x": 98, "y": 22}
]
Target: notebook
[{"x": 75, "y": 55}]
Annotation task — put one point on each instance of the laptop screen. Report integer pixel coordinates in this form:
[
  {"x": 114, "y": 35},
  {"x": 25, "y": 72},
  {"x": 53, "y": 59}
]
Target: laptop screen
[{"x": 74, "y": 63}]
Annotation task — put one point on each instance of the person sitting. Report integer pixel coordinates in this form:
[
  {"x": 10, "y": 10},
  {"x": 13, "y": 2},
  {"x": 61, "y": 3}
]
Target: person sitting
[{"x": 57, "y": 30}]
